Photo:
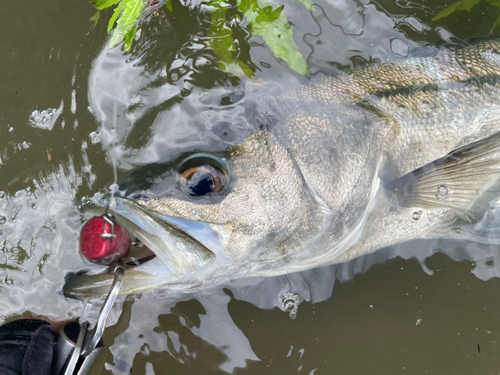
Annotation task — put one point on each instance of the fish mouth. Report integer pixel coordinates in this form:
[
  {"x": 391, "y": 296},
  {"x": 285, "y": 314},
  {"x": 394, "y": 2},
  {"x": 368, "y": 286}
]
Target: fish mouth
[{"x": 172, "y": 253}]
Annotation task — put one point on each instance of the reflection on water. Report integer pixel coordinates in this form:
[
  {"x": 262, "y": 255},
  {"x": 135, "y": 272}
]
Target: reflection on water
[
  {"x": 67, "y": 98},
  {"x": 38, "y": 226}
]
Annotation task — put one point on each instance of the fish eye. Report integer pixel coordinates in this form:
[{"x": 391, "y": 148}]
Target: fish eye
[
  {"x": 202, "y": 180},
  {"x": 203, "y": 174}
]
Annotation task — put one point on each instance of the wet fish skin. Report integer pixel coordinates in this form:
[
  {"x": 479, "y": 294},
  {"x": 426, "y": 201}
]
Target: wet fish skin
[{"x": 349, "y": 164}]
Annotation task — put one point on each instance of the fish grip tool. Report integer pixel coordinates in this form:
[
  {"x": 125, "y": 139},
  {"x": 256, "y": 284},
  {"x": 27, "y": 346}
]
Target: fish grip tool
[{"x": 79, "y": 346}]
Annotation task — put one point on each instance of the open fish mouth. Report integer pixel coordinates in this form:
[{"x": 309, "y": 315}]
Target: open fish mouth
[{"x": 172, "y": 250}]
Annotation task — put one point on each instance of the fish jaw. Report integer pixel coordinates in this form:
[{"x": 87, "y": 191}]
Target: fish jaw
[
  {"x": 181, "y": 261},
  {"x": 89, "y": 287}
]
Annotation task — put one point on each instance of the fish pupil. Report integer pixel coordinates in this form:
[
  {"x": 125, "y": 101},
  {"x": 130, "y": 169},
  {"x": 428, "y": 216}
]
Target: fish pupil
[{"x": 201, "y": 185}]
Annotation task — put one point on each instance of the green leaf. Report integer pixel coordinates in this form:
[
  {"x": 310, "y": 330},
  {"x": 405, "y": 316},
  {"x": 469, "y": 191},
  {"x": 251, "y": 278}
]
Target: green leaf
[
  {"x": 246, "y": 69},
  {"x": 495, "y": 24},
  {"x": 244, "y": 5},
  {"x": 115, "y": 15},
  {"x": 95, "y": 17},
  {"x": 495, "y": 3},
  {"x": 466, "y": 5},
  {"x": 220, "y": 39},
  {"x": 307, "y": 3},
  {"x": 169, "y": 6},
  {"x": 447, "y": 11},
  {"x": 269, "y": 21},
  {"x": 129, "y": 38},
  {"x": 127, "y": 23},
  {"x": 103, "y": 4}
]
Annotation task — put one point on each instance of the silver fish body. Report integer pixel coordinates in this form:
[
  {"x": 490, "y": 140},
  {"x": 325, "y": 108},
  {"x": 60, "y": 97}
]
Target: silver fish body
[{"x": 341, "y": 167}]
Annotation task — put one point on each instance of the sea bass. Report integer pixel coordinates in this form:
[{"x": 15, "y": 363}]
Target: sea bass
[{"x": 339, "y": 168}]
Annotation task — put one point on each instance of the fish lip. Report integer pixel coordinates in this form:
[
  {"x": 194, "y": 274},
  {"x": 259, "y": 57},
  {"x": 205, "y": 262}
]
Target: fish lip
[
  {"x": 124, "y": 214},
  {"x": 122, "y": 210},
  {"x": 119, "y": 211}
]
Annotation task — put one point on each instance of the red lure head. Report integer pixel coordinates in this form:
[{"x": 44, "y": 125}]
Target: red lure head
[{"x": 103, "y": 240}]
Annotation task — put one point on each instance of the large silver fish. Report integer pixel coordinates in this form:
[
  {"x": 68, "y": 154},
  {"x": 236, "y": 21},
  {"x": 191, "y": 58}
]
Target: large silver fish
[{"x": 340, "y": 168}]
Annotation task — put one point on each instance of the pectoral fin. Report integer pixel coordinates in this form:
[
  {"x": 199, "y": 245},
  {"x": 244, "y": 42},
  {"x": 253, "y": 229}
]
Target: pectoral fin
[{"x": 462, "y": 186}]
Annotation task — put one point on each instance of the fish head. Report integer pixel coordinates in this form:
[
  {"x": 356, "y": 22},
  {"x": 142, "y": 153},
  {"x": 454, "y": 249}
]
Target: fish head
[{"x": 212, "y": 217}]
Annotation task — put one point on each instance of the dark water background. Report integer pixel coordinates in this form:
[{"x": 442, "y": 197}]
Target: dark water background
[{"x": 65, "y": 98}]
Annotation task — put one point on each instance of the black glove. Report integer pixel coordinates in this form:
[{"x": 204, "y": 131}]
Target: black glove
[{"x": 26, "y": 347}]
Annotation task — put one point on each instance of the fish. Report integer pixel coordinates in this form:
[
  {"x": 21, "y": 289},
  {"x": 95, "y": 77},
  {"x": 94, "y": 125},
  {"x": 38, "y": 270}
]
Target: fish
[{"x": 334, "y": 170}]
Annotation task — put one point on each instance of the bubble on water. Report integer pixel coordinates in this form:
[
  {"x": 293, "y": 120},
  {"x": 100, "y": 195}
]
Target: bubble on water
[
  {"x": 443, "y": 190},
  {"x": 3, "y": 220},
  {"x": 362, "y": 9},
  {"x": 398, "y": 47},
  {"x": 291, "y": 304},
  {"x": 31, "y": 205},
  {"x": 25, "y": 145},
  {"x": 442, "y": 193},
  {"x": 174, "y": 76},
  {"x": 416, "y": 215},
  {"x": 94, "y": 138},
  {"x": 11, "y": 129},
  {"x": 47, "y": 118}
]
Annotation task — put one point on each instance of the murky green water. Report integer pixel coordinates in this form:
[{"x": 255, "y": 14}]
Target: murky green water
[{"x": 66, "y": 98}]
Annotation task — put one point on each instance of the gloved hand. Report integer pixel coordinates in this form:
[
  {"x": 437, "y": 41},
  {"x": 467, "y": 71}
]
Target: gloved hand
[{"x": 26, "y": 347}]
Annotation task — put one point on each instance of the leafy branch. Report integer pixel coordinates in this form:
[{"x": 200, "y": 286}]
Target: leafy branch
[
  {"x": 270, "y": 22},
  {"x": 128, "y": 13},
  {"x": 265, "y": 17}
]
